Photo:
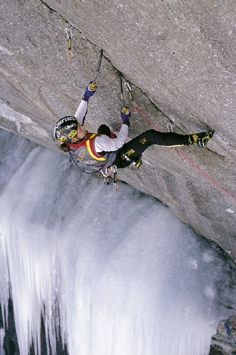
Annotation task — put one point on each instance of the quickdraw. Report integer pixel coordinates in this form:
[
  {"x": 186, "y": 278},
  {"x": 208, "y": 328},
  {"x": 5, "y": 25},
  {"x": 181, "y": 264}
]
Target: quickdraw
[
  {"x": 69, "y": 35},
  {"x": 94, "y": 85},
  {"x": 128, "y": 88},
  {"x": 122, "y": 93}
]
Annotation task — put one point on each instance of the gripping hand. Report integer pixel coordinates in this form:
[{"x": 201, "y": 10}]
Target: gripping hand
[
  {"x": 125, "y": 115},
  {"x": 89, "y": 91}
]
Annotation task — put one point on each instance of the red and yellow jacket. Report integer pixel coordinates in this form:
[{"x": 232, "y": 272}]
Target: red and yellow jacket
[{"x": 85, "y": 151}]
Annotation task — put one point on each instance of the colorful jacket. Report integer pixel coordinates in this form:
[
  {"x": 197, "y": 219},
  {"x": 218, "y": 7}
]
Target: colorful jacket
[{"x": 84, "y": 151}]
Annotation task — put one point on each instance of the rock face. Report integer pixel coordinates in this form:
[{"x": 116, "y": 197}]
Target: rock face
[{"x": 180, "y": 60}]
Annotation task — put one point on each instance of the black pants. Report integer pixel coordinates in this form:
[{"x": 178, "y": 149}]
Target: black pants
[{"x": 134, "y": 148}]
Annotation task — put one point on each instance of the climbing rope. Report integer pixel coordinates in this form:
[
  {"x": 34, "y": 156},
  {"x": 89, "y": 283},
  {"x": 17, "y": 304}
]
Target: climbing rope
[
  {"x": 136, "y": 107},
  {"x": 203, "y": 173}
]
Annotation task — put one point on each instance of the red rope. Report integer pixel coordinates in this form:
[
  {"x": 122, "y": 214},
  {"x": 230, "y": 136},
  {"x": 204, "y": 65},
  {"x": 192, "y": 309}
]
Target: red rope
[
  {"x": 183, "y": 155},
  {"x": 207, "y": 176},
  {"x": 147, "y": 118}
]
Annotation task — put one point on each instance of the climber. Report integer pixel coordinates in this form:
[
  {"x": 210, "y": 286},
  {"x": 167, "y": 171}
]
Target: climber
[{"x": 101, "y": 150}]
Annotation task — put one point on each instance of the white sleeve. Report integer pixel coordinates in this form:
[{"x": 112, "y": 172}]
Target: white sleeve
[
  {"x": 105, "y": 144},
  {"x": 81, "y": 111}
]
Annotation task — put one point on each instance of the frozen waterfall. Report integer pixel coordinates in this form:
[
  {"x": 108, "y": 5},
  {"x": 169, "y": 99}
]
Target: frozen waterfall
[{"x": 118, "y": 271}]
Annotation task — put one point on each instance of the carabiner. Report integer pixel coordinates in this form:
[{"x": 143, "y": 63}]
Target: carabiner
[{"x": 128, "y": 88}]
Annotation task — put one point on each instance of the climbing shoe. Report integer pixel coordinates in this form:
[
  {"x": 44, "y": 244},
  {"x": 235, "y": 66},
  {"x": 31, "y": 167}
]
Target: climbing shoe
[
  {"x": 201, "y": 139},
  {"x": 138, "y": 162}
]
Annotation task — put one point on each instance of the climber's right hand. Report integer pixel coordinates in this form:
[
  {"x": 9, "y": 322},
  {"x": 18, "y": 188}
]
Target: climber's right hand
[{"x": 125, "y": 115}]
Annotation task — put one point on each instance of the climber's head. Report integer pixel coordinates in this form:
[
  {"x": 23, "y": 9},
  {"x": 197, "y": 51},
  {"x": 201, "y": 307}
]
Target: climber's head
[{"x": 68, "y": 130}]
